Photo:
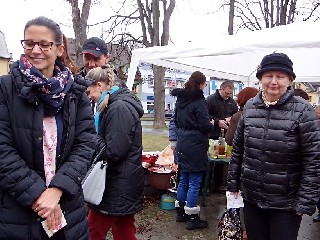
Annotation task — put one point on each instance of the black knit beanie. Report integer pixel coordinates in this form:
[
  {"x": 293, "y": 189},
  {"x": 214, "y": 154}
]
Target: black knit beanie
[{"x": 276, "y": 62}]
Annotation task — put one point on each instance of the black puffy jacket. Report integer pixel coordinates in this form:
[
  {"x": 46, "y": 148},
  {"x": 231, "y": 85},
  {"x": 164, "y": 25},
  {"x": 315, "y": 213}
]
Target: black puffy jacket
[
  {"x": 22, "y": 177},
  {"x": 192, "y": 119},
  {"x": 276, "y": 155},
  {"x": 120, "y": 130}
]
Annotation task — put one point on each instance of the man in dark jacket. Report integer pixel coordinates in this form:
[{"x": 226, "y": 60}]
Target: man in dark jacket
[{"x": 221, "y": 107}]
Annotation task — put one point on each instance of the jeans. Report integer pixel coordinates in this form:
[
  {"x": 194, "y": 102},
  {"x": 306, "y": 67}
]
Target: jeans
[{"x": 188, "y": 188}]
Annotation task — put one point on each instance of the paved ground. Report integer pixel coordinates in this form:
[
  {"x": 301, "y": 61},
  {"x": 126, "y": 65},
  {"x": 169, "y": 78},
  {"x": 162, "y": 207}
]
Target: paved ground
[
  {"x": 155, "y": 131},
  {"x": 157, "y": 224}
]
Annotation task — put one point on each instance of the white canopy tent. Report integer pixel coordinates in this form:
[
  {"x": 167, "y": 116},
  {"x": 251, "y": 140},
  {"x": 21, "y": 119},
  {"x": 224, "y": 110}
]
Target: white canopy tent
[{"x": 236, "y": 57}]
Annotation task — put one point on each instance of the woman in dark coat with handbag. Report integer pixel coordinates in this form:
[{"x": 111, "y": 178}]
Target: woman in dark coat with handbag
[
  {"x": 119, "y": 128},
  {"x": 193, "y": 123},
  {"x": 276, "y": 155},
  {"x": 47, "y": 140}
]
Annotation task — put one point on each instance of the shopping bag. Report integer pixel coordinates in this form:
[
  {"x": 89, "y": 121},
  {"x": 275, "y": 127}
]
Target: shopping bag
[
  {"x": 229, "y": 226},
  {"x": 94, "y": 183}
]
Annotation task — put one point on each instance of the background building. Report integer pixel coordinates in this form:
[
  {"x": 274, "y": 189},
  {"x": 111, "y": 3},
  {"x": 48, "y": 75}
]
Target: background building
[{"x": 5, "y": 56}]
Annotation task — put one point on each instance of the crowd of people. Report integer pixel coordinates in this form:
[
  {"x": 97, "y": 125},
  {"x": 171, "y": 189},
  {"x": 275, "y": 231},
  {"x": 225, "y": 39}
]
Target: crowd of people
[
  {"x": 70, "y": 114},
  {"x": 274, "y": 165}
]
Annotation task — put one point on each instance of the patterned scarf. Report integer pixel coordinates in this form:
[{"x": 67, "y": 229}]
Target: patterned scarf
[{"x": 51, "y": 92}]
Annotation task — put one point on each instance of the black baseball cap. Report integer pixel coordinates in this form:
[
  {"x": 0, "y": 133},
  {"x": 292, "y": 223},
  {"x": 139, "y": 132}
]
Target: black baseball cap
[{"x": 95, "y": 46}]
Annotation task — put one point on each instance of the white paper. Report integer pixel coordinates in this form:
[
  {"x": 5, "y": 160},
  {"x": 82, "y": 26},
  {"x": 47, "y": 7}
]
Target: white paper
[
  {"x": 233, "y": 202},
  {"x": 53, "y": 231}
]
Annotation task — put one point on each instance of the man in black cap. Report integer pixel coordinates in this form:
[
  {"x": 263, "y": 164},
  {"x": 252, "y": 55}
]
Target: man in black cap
[{"x": 95, "y": 54}]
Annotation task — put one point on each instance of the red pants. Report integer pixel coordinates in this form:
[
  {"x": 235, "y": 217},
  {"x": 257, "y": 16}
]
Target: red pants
[{"x": 123, "y": 227}]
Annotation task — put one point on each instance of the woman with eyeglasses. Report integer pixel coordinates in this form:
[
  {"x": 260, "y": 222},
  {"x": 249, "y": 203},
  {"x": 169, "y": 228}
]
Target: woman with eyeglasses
[
  {"x": 276, "y": 155},
  {"x": 47, "y": 140}
]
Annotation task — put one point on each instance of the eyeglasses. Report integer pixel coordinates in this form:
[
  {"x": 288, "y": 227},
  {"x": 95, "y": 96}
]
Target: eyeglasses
[
  {"x": 227, "y": 93},
  {"x": 43, "y": 45}
]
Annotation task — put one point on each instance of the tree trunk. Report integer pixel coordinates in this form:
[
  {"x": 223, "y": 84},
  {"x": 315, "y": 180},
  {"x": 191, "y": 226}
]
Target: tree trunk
[
  {"x": 159, "y": 97},
  {"x": 79, "y": 21},
  {"x": 231, "y": 17},
  {"x": 159, "y": 72}
]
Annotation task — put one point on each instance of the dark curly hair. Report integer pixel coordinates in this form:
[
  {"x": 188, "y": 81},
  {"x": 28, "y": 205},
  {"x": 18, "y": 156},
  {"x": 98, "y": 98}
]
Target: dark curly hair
[{"x": 195, "y": 80}]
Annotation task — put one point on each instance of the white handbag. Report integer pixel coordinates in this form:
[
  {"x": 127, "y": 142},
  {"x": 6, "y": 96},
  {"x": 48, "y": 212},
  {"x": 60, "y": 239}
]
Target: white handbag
[{"x": 94, "y": 183}]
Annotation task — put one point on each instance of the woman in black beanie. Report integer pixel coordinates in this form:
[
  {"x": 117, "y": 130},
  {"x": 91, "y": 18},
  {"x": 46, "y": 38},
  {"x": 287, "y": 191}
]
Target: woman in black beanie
[
  {"x": 275, "y": 159},
  {"x": 192, "y": 120}
]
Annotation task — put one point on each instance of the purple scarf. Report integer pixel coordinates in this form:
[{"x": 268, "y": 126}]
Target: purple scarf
[{"x": 51, "y": 92}]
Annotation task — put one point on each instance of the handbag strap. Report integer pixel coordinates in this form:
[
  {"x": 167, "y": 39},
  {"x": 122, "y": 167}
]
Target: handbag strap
[{"x": 97, "y": 157}]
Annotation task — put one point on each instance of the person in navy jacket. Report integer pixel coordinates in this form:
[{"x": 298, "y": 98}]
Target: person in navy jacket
[{"x": 193, "y": 123}]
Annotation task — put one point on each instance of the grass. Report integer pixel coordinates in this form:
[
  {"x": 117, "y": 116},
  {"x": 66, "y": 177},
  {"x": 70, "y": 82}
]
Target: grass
[
  {"x": 154, "y": 142},
  {"x": 151, "y": 126}
]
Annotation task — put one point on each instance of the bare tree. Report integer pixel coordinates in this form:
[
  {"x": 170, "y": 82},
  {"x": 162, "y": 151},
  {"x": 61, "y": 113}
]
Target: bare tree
[
  {"x": 154, "y": 16},
  {"x": 79, "y": 21},
  {"x": 150, "y": 25},
  {"x": 259, "y": 14}
]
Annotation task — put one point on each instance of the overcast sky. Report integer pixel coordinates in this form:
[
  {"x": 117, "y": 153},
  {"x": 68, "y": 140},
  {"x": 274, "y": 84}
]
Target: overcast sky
[{"x": 192, "y": 20}]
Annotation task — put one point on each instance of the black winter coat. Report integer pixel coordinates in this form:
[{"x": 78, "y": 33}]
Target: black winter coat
[
  {"x": 276, "y": 155},
  {"x": 219, "y": 109},
  {"x": 120, "y": 130},
  {"x": 22, "y": 177},
  {"x": 192, "y": 120}
]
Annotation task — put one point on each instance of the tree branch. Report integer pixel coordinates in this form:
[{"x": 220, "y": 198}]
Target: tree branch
[
  {"x": 312, "y": 11},
  {"x": 116, "y": 17}
]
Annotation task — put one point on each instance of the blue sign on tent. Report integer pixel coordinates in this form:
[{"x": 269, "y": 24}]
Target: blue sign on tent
[
  {"x": 213, "y": 85},
  {"x": 150, "y": 97}
]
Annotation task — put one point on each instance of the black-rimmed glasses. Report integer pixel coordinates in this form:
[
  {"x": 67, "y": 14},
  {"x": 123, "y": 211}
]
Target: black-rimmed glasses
[
  {"x": 227, "y": 93},
  {"x": 43, "y": 45}
]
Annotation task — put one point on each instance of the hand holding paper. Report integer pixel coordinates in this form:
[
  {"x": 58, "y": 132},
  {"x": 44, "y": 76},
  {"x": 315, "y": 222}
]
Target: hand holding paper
[
  {"x": 53, "y": 231},
  {"x": 234, "y": 200}
]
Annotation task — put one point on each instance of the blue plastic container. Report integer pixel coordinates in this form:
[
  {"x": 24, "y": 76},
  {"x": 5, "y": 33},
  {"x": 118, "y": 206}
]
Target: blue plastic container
[{"x": 168, "y": 201}]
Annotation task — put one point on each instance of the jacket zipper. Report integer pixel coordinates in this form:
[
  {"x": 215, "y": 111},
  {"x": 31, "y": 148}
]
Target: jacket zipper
[
  {"x": 65, "y": 138},
  {"x": 264, "y": 149}
]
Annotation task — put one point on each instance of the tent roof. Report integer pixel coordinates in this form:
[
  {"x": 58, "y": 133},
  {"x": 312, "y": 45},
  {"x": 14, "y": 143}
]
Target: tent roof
[{"x": 236, "y": 57}]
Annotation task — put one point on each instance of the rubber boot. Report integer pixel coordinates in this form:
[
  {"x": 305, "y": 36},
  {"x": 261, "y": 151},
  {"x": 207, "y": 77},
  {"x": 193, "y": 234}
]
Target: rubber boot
[
  {"x": 193, "y": 219},
  {"x": 181, "y": 215}
]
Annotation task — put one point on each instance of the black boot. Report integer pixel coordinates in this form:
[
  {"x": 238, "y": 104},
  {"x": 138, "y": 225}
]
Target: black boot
[
  {"x": 193, "y": 219},
  {"x": 181, "y": 215}
]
